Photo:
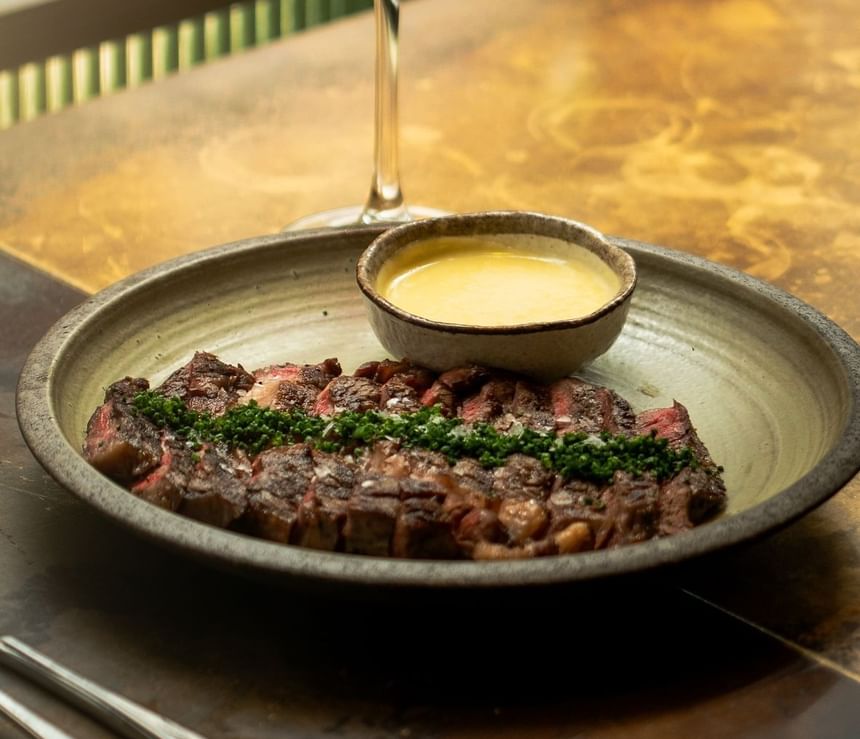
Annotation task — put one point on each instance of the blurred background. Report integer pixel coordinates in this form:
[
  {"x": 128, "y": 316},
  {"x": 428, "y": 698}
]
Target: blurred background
[{"x": 55, "y": 53}]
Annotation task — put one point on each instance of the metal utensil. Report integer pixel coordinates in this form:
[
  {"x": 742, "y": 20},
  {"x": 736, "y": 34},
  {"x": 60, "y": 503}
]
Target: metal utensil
[
  {"x": 122, "y": 715},
  {"x": 31, "y": 723}
]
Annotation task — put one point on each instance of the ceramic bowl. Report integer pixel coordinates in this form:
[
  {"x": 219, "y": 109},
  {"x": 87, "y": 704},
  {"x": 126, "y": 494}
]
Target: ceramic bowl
[{"x": 545, "y": 350}]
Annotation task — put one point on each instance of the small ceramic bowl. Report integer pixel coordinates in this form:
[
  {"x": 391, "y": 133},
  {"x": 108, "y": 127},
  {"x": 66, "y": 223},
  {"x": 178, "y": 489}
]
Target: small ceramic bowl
[{"x": 544, "y": 350}]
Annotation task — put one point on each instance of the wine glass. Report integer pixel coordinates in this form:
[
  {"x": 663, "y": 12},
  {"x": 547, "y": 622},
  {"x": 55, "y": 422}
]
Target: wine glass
[{"x": 385, "y": 202}]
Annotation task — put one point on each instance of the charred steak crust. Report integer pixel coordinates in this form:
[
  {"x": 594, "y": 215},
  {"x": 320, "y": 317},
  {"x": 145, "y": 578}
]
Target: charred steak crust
[{"x": 396, "y": 501}]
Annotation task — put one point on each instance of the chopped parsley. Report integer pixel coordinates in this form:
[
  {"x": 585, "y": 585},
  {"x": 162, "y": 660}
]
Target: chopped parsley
[{"x": 575, "y": 455}]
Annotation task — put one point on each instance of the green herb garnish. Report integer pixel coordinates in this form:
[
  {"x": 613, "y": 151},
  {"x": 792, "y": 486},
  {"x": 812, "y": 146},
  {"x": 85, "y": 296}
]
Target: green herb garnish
[{"x": 577, "y": 455}]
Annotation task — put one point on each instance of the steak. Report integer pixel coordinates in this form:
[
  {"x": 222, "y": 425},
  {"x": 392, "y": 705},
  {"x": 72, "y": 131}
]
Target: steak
[
  {"x": 281, "y": 478},
  {"x": 348, "y": 393},
  {"x": 392, "y": 499},
  {"x": 322, "y": 512},
  {"x": 119, "y": 442},
  {"x": 207, "y": 384},
  {"x": 287, "y": 386},
  {"x": 580, "y": 406}
]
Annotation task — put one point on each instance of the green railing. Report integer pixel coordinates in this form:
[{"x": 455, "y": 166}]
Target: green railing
[{"x": 52, "y": 84}]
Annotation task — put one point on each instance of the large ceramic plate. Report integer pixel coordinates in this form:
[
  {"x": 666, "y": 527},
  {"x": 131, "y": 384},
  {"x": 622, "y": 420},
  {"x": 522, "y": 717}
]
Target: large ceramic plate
[{"x": 772, "y": 386}]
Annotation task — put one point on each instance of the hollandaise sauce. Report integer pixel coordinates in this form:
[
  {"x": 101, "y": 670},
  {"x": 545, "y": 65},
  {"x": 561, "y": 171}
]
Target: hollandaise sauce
[{"x": 496, "y": 280}]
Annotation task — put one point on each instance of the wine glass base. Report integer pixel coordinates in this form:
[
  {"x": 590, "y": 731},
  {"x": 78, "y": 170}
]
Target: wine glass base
[{"x": 352, "y": 215}]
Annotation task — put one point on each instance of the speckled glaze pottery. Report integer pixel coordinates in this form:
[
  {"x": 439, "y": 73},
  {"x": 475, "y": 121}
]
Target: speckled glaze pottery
[
  {"x": 545, "y": 350},
  {"x": 772, "y": 386}
]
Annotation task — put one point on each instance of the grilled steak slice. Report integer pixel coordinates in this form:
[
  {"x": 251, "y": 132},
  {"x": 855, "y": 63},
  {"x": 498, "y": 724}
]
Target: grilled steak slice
[
  {"x": 285, "y": 386},
  {"x": 531, "y": 405},
  {"x": 417, "y": 377},
  {"x": 207, "y": 384},
  {"x": 267, "y": 383},
  {"x": 691, "y": 497},
  {"x": 673, "y": 424},
  {"x": 382, "y": 371},
  {"x": 165, "y": 484},
  {"x": 319, "y": 375},
  {"x": 294, "y": 395},
  {"x": 632, "y": 511},
  {"x": 423, "y": 531},
  {"x": 388, "y": 459},
  {"x": 464, "y": 380},
  {"x": 348, "y": 393},
  {"x": 452, "y": 386},
  {"x": 402, "y": 383},
  {"x": 396, "y": 396},
  {"x": 119, "y": 442},
  {"x": 472, "y": 478},
  {"x": 577, "y": 514},
  {"x": 442, "y": 396},
  {"x": 421, "y": 480},
  {"x": 575, "y": 500},
  {"x": 322, "y": 511},
  {"x": 215, "y": 490},
  {"x": 490, "y": 402},
  {"x": 520, "y": 477},
  {"x": 371, "y": 516},
  {"x": 580, "y": 406},
  {"x": 281, "y": 478},
  {"x": 207, "y": 484}
]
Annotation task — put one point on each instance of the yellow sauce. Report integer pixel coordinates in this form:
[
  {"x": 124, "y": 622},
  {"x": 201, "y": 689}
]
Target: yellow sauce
[{"x": 496, "y": 280}]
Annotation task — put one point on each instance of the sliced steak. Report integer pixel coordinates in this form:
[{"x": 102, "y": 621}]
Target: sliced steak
[
  {"x": 673, "y": 424},
  {"x": 396, "y": 396},
  {"x": 371, "y": 516},
  {"x": 207, "y": 484},
  {"x": 531, "y": 405},
  {"x": 418, "y": 473},
  {"x": 207, "y": 384},
  {"x": 490, "y": 402},
  {"x": 294, "y": 395},
  {"x": 464, "y": 380},
  {"x": 690, "y": 498},
  {"x": 632, "y": 511},
  {"x": 451, "y": 387},
  {"x": 382, "y": 371},
  {"x": 468, "y": 506},
  {"x": 165, "y": 484},
  {"x": 319, "y": 375},
  {"x": 580, "y": 406},
  {"x": 393, "y": 499},
  {"x": 348, "y": 393},
  {"x": 575, "y": 500},
  {"x": 281, "y": 478},
  {"x": 322, "y": 511},
  {"x": 267, "y": 383},
  {"x": 472, "y": 478},
  {"x": 215, "y": 489},
  {"x": 440, "y": 395},
  {"x": 423, "y": 531},
  {"x": 520, "y": 477},
  {"x": 286, "y": 386},
  {"x": 119, "y": 442}
]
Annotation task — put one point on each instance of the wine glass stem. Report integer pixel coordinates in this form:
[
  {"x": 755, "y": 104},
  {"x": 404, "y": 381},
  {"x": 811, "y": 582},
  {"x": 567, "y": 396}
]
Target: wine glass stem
[{"x": 385, "y": 201}]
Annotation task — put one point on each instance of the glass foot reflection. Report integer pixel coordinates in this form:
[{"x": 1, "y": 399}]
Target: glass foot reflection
[{"x": 358, "y": 215}]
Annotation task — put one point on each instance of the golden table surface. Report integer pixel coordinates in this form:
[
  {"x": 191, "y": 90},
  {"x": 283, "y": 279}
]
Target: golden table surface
[{"x": 726, "y": 128}]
